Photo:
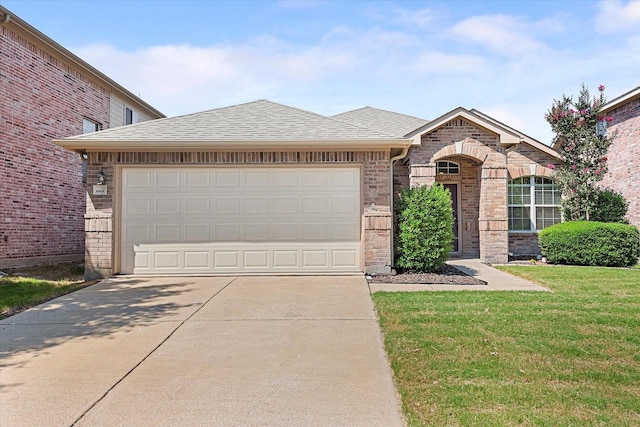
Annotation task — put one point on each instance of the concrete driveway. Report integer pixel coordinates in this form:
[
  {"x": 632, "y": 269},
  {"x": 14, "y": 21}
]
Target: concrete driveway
[{"x": 199, "y": 351}]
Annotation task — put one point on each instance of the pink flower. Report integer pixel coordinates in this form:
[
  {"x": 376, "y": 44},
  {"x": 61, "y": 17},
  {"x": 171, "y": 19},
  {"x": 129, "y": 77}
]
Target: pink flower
[
  {"x": 609, "y": 119},
  {"x": 601, "y": 88},
  {"x": 551, "y": 166},
  {"x": 573, "y": 166},
  {"x": 597, "y": 172}
]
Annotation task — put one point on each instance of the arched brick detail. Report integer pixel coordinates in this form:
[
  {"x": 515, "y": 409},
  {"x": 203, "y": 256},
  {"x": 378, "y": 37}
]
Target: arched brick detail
[
  {"x": 529, "y": 170},
  {"x": 468, "y": 147}
]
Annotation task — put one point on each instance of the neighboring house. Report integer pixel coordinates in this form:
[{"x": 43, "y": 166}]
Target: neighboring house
[
  {"x": 624, "y": 153},
  {"x": 47, "y": 93},
  {"x": 266, "y": 188}
]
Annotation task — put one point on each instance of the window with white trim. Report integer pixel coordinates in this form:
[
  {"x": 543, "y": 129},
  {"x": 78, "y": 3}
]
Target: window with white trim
[
  {"x": 447, "y": 168},
  {"x": 88, "y": 126},
  {"x": 130, "y": 116},
  {"x": 534, "y": 203}
]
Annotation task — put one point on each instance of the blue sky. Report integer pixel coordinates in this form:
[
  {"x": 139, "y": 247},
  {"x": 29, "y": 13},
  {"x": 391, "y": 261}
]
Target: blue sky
[{"x": 509, "y": 59}]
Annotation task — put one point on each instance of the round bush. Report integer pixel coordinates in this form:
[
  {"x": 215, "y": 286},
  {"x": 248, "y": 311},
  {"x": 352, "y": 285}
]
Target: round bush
[
  {"x": 610, "y": 207},
  {"x": 591, "y": 243},
  {"x": 425, "y": 228}
]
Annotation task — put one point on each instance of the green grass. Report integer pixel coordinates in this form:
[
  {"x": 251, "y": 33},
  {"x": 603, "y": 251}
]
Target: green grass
[
  {"x": 26, "y": 288},
  {"x": 570, "y": 357}
]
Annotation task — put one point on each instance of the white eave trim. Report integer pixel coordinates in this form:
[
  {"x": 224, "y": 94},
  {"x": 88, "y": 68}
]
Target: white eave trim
[
  {"x": 506, "y": 137},
  {"x": 621, "y": 100},
  {"x": 82, "y": 146}
]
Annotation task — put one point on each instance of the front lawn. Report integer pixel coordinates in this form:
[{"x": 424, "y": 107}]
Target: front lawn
[
  {"x": 24, "y": 288},
  {"x": 571, "y": 357}
]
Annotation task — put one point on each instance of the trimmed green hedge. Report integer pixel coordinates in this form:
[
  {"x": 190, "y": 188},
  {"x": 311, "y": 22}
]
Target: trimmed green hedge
[
  {"x": 591, "y": 243},
  {"x": 425, "y": 228}
]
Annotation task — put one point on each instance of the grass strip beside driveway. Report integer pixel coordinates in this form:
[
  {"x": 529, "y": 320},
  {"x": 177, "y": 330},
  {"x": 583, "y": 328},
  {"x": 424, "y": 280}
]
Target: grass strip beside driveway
[
  {"x": 571, "y": 357},
  {"x": 27, "y": 287}
]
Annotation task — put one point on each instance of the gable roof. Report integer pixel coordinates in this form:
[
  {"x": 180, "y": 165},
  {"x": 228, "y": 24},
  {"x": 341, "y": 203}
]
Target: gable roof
[
  {"x": 622, "y": 99},
  {"x": 508, "y": 135},
  {"x": 251, "y": 125},
  {"x": 18, "y": 25},
  {"x": 383, "y": 121}
]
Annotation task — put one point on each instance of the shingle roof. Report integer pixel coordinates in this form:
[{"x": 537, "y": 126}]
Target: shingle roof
[
  {"x": 383, "y": 121},
  {"x": 260, "y": 120}
]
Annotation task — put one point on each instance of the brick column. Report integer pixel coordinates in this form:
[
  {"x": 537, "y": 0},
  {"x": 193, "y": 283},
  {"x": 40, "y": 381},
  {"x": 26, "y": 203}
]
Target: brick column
[
  {"x": 98, "y": 261},
  {"x": 493, "y": 221},
  {"x": 420, "y": 175},
  {"x": 377, "y": 241}
]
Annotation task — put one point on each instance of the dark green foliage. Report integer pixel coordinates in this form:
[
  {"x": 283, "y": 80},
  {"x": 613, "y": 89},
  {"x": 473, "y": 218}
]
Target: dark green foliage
[
  {"x": 425, "y": 233},
  {"x": 610, "y": 207},
  {"x": 591, "y": 243}
]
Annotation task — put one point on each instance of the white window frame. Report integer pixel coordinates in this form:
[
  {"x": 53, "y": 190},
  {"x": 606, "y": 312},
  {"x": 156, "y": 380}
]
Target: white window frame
[
  {"x": 445, "y": 167},
  {"x": 89, "y": 126},
  {"x": 135, "y": 117},
  {"x": 532, "y": 205}
]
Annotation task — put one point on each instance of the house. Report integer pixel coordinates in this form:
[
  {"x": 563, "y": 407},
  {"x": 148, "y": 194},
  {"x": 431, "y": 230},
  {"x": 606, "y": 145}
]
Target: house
[
  {"x": 267, "y": 188},
  {"x": 624, "y": 152},
  {"x": 47, "y": 93}
]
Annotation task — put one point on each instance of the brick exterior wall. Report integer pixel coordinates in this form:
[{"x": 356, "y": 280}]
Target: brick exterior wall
[
  {"x": 486, "y": 168},
  {"x": 376, "y": 219},
  {"x": 42, "y": 204},
  {"x": 624, "y": 157}
]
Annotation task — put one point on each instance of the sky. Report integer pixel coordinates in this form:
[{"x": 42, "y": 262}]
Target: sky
[{"x": 508, "y": 59}]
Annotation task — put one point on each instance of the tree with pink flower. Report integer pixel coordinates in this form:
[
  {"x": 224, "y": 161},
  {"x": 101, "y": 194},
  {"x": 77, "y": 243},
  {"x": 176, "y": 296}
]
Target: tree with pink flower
[{"x": 582, "y": 141}]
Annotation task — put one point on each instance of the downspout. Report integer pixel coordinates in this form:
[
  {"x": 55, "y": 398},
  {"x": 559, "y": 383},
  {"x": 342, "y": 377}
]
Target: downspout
[{"x": 402, "y": 155}]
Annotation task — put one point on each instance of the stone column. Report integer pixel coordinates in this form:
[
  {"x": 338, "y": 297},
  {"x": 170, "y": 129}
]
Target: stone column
[{"x": 493, "y": 221}]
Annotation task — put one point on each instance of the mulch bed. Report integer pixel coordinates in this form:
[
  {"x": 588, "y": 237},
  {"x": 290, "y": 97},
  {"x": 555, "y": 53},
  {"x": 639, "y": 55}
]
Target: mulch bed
[{"x": 447, "y": 275}]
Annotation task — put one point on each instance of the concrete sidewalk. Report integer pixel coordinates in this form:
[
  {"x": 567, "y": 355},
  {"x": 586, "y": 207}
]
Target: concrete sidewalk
[
  {"x": 199, "y": 351},
  {"x": 496, "y": 280}
]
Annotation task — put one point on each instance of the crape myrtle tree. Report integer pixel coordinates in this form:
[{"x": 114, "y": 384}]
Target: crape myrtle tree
[{"x": 582, "y": 141}]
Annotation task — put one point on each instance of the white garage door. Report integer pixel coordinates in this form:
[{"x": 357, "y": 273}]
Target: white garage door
[{"x": 234, "y": 220}]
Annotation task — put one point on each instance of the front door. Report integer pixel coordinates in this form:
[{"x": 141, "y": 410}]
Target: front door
[{"x": 453, "y": 189}]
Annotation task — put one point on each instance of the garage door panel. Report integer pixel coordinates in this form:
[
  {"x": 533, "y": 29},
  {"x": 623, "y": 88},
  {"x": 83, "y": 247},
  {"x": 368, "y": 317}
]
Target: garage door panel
[
  {"x": 227, "y": 178},
  {"x": 196, "y": 206},
  {"x": 166, "y": 233},
  {"x": 256, "y": 179},
  {"x": 226, "y": 232},
  {"x": 196, "y": 259},
  {"x": 197, "y": 179},
  {"x": 168, "y": 179},
  {"x": 284, "y": 178},
  {"x": 197, "y": 233},
  {"x": 166, "y": 206},
  {"x": 240, "y": 219},
  {"x": 136, "y": 206}
]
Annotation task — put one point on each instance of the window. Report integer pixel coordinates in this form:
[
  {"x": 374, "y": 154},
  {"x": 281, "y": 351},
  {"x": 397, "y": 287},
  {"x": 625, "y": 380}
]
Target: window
[
  {"x": 534, "y": 203},
  {"x": 447, "y": 168},
  {"x": 89, "y": 126},
  {"x": 131, "y": 116}
]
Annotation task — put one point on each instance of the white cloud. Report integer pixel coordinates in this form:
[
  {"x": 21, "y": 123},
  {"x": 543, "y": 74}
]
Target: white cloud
[
  {"x": 501, "y": 34},
  {"x": 615, "y": 16}
]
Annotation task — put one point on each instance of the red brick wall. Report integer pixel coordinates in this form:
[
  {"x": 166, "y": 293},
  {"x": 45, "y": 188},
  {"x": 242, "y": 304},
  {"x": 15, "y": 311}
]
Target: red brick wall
[
  {"x": 42, "y": 98},
  {"x": 624, "y": 157}
]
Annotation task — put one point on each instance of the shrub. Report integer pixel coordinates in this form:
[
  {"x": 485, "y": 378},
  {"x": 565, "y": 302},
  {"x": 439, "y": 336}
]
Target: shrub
[
  {"x": 591, "y": 243},
  {"x": 425, "y": 228},
  {"x": 609, "y": 207}
]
